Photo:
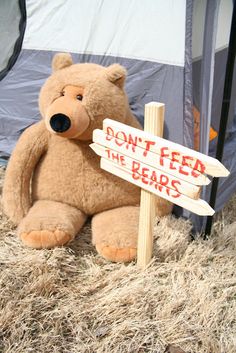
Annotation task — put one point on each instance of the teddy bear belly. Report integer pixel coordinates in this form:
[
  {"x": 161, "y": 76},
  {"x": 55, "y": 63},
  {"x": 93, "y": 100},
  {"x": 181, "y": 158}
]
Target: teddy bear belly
[{"x": 76, "y": 179}]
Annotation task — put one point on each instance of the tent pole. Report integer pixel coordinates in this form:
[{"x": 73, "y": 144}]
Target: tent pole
[{"x": 224, "y": 112}]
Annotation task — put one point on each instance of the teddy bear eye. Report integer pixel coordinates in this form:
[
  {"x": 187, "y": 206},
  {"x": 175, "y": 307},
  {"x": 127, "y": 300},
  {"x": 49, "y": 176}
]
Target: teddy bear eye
[
  {"x": 62, "y": 93},
  {"x": 79, "y": 97}
]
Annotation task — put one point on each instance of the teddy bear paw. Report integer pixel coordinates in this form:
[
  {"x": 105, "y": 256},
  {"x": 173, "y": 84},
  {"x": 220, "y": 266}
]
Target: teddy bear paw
[
  {"x": 45, "y": 239},
  {"x": 114, "y": 254}
]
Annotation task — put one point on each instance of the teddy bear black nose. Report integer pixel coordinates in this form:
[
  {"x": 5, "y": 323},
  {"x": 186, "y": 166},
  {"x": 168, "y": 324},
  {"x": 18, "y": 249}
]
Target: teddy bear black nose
[{"x": 60, "y": 122}]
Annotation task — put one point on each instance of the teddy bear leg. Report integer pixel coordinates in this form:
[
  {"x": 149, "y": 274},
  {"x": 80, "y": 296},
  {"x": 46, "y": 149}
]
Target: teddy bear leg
[
  {"x": 115, "y": 233},
  {"x": 49, "y": 224}
]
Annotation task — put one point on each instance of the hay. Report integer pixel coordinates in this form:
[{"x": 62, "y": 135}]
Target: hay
[{"x": 70, "y": 300}]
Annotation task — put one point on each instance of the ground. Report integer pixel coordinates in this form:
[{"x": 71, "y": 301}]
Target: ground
[{"x": 71, "y": 300}]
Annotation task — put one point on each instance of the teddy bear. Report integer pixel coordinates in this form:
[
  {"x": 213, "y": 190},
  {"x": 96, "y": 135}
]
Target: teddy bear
[{"x": 53, "y": 181}]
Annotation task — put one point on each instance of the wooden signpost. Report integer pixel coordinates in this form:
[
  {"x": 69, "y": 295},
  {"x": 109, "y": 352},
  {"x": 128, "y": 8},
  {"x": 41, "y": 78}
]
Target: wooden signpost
[{"x": 158, "y": 166}]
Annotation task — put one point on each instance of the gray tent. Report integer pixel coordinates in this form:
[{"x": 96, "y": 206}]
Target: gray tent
[{"x": 174, "y": 50}]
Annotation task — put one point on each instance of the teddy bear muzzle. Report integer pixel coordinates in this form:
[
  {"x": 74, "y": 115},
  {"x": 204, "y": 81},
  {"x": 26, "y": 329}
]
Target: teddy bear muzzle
[{"x": 69, "y": 121}]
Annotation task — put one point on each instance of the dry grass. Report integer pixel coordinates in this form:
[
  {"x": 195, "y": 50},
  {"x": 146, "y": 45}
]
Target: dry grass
[{"x": 70, "y": 300}]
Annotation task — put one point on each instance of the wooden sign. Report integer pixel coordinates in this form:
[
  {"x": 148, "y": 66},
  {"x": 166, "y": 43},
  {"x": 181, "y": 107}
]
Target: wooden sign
[
  {"x": 173, "y": 172},
  {"x": 156, "y": 165}
]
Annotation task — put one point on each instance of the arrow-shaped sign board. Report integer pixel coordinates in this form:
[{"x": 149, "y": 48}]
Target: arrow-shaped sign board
[
  {"x": 159, "y": 166},
  {"x": 162, "y": 167}
]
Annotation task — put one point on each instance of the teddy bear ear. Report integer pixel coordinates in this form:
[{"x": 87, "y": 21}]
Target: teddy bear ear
[
  {"x": 61, "y": 60},
  {"x": 116, "y": 74}
]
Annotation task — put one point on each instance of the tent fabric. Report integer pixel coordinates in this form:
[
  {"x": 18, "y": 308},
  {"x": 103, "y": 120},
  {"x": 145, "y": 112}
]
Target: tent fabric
[
  {"x": 9, "y": 28},
  {"x": 207, "y": 72},
  {"x": 217, "y": 95},
  {"x": 206, "y": 80},
  {"x": 12, "y": 27},
  {"x": 223, "y": 26},
  {"x": 134, "y": 29},
  {"x": 188, "y": 121}
]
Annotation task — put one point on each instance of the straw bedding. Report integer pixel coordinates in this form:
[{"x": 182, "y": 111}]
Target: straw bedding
[{"x": 70, "y": 300}]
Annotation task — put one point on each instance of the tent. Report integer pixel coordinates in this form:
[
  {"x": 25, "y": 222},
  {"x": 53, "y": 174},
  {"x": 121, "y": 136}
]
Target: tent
[{"x": 163, "y": 45}]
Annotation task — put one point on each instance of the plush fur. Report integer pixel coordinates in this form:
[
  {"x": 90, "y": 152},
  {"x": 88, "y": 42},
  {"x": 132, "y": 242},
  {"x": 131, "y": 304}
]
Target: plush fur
[{"x": 67, "y": 184}]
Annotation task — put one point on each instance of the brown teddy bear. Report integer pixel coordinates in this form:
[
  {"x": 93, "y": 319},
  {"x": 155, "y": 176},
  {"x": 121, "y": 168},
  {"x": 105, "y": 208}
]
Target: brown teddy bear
[{"x": 53, "y": 180}]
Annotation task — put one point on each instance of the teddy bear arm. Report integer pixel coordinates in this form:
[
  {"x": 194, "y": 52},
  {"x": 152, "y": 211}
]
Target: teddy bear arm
[
  {"x": 16, "y": 190},
  {"x": 131, "y": 120},
  {"x": 163, "y": 207}
]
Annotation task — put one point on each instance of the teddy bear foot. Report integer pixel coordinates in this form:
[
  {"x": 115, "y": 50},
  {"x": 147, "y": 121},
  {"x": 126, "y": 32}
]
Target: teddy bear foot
[
  {"x": 45, "y": 239},
  {"x": 114, "y": 254},
  {"x": 49, "y": 224},
  {"x": 115, "y": 233}
]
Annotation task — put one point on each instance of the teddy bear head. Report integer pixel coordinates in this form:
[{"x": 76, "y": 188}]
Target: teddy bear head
[{"x": 76, "y": 98}]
